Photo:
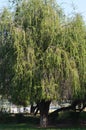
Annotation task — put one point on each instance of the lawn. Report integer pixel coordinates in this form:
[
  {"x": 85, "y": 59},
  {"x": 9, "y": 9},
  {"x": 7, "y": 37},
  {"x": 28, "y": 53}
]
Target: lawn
[
  {"x": 30, "y": 127},
  {"x": 65, "y": 121}
]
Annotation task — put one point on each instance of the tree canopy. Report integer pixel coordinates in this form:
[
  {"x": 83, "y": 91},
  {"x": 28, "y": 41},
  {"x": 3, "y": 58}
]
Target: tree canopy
[{"x": 42, "y": 56}]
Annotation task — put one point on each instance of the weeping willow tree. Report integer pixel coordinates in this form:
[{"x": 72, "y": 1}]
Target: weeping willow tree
[
  {"x": 12, "y": 60},
  {"x": 73, "y": 40},
  {"x": 46, "y": 58},
  {"x": 5, "y": 52}
]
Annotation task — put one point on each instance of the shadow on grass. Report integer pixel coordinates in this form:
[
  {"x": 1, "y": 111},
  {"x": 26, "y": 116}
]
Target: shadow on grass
[
  {"x": 31, "y": 127},
  {"x": 18, "y": 122},
  {"x": 65, "y": 121}
]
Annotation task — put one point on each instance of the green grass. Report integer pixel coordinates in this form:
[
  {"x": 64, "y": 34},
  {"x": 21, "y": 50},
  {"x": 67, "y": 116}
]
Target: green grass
[
  {"x": 65, "y": 121},
  {"x": 30, "y": 127}
]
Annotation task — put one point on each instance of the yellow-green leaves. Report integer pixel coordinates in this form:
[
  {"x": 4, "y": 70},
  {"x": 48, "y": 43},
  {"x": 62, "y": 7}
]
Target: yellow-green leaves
[{"x": 45, "y": 54}]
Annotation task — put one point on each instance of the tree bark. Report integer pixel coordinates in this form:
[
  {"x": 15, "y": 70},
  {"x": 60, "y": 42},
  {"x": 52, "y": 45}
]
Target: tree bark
[
  {"x": 32, "y": 109},
  {"x": 71, "y": 107},
  {"x": 44, "y": 109}
]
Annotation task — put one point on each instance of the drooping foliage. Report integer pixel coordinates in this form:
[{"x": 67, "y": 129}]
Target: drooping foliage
[
  {"x": 42, "y": 58},
  {"x": 73, "y": 36},
  {"x": 6, "y": 51}
]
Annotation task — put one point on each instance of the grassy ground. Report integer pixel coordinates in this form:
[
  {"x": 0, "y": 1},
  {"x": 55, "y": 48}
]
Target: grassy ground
[
  {"x": 30, "y": 127},
  {"x": 65, "y": 121}
]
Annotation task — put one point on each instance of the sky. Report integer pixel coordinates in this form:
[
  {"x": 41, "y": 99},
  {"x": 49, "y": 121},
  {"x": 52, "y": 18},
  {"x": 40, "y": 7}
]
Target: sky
[
  {"x": 3, "y": 3},
  {"x": 69, "y": 6}
]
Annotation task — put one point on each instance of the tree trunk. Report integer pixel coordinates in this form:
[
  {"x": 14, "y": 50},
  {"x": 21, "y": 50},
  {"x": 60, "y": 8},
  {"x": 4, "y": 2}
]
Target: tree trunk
[
  {"x": 32, "y": 109},
  {"x": 44, "y": 109},
  {"x": 43, "y": 120}
]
